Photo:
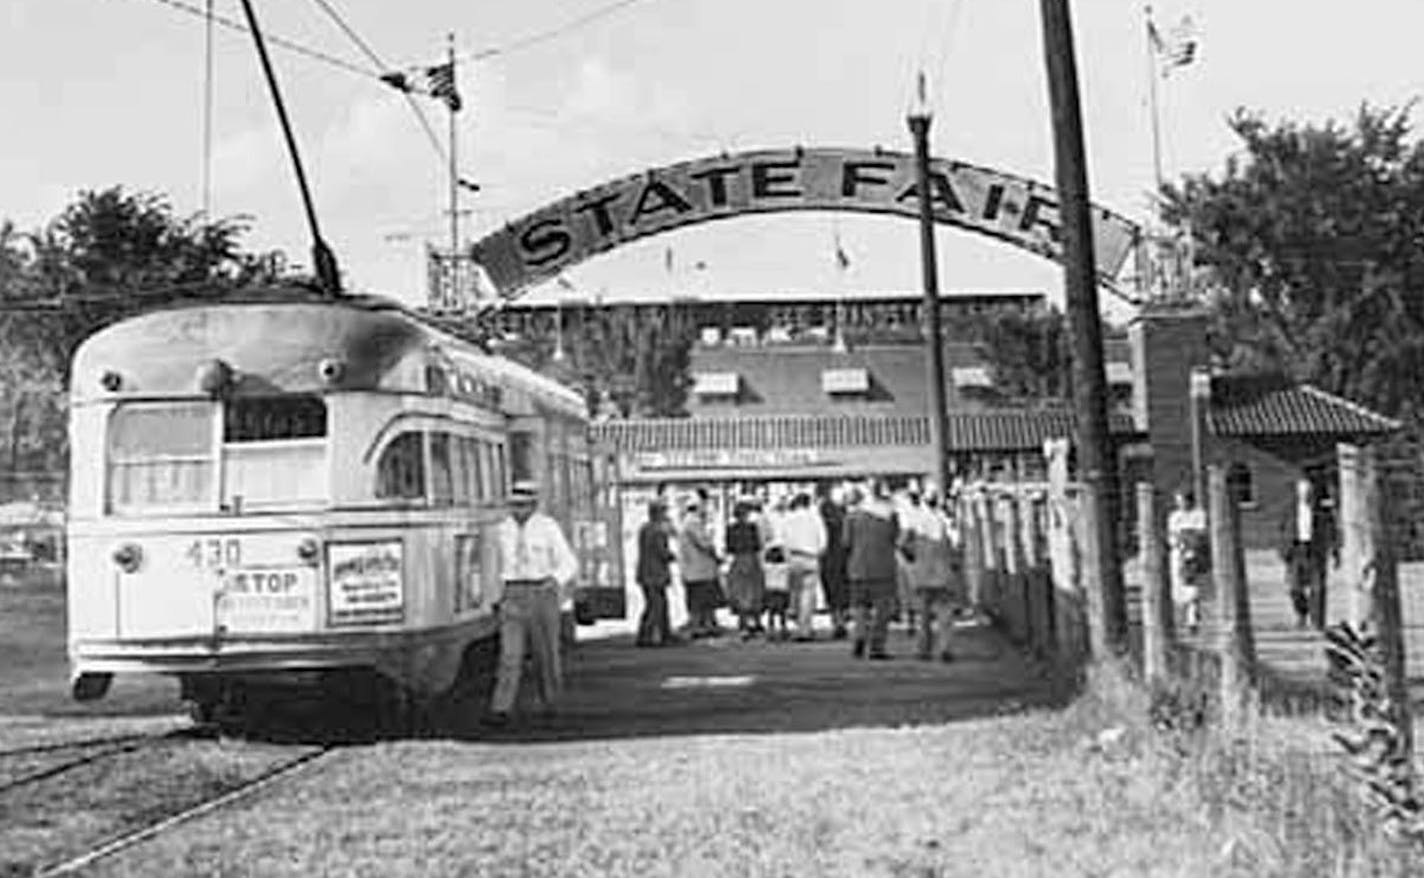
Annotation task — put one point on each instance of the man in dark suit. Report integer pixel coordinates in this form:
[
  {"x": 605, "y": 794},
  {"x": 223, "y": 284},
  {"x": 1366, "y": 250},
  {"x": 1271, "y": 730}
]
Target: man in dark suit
[
  {"x": 872, "y": 534},
  {"x": 654, "y": 576},
  {"x": 833, "y": 561}
]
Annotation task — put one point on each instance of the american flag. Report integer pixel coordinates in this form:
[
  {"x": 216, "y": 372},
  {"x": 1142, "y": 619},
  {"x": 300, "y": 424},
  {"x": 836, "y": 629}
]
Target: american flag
[
  {"x": 437, "y": 81},
  {"x": 1178, "y": 48}
]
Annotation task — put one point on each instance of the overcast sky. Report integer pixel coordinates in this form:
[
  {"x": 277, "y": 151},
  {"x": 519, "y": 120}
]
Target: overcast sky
[{"x": 102, "y": 92}]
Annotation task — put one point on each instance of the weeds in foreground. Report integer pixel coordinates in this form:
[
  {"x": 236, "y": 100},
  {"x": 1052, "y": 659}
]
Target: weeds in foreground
[
  {"x": 1374, "y": 742},
  {"x": 1272, "y": 792}
]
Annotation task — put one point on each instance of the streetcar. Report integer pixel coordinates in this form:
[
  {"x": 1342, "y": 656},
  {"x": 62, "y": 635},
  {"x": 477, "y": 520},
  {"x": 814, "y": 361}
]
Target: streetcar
[{"x": 287, "y": 490}]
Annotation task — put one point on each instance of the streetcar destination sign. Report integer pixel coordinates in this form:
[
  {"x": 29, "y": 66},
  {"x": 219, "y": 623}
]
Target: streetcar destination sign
[{"x": 1016, "y": 210}]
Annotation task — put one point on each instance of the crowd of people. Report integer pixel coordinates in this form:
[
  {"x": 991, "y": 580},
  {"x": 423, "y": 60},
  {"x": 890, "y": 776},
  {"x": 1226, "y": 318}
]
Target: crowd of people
[{"x": 868, "y": 554}]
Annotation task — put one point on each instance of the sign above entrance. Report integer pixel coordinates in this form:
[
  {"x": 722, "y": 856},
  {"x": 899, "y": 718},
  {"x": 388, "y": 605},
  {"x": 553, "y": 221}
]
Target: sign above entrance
[{"x": 1018, "y": 211}]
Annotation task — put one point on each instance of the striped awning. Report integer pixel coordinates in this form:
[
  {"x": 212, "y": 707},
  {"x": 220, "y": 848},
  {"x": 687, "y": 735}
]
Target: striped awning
[{"x": 998, "y": 430}]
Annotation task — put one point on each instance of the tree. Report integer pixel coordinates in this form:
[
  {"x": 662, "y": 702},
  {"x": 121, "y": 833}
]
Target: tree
[
  {"x": 637, "y": 356},
  {"x": 108, "y": 255},
  {"x": 1028, "y": 355},
  {"x": 1309, "y": 249}
]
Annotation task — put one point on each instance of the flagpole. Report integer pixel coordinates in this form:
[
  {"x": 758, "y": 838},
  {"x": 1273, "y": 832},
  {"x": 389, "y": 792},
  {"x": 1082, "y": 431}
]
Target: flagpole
[
  {"x": 1152, "y": 97},
  {"x": 454, "y": 181}
]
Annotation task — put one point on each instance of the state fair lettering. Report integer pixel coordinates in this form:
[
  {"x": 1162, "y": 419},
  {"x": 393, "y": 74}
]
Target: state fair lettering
[{"x": 1015, "y": 210}]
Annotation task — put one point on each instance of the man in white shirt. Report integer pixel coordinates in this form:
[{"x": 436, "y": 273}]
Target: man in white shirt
[
  {"x": 535, "y": 567},
  {"x": 803, "y": 535}
]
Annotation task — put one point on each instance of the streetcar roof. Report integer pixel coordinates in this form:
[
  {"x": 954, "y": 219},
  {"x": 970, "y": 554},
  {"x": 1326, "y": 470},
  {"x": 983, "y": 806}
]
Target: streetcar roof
[{"x": 278, "y": 340}]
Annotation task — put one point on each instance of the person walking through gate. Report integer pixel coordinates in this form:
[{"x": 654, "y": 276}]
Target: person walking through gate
[
  {"x": 804, "y": 538},
  {"x": 654, "y": 576},
  {"x": 697, "y": 556},
  {"x": 746, "y": 582},
  {"x": 1189, "y": 559},
  {"x": 833, "y": 560},
  {"x": 872, "y": 532},
  {"x": 535, "y": 566},
  {"x": 932, "y": 575},
  {"x": 1308, "y": 539}
]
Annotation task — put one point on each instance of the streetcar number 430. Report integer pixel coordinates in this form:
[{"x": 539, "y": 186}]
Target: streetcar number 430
[{"x": 215, "y": 553}]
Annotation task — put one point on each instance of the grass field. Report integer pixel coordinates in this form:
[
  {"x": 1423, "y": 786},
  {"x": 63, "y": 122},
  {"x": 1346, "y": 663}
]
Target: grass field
[
  {"x": 33, "y": 667},
  {"x": 723, "y": 758}
]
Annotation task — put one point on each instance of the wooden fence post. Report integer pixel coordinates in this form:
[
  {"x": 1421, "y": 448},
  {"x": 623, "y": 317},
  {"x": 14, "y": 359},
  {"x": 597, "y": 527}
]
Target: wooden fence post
[
  {"x": 1070, "y": 623},
  {"x": 1157, "y": 619},
  {"x": 1235, "y": 641},
  {"x": 1356, "y": 540},
  {"x": 1377, "y": 586},
  {"x": 973, "y": 547},
  {"x": 1035, "y": 585},
  {"x": 1015, "y": 591},
  {"x": 993, "y": 591}
]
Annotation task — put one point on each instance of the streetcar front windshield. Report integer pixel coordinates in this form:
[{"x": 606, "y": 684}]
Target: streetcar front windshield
[{"x": 243, "y": 453}]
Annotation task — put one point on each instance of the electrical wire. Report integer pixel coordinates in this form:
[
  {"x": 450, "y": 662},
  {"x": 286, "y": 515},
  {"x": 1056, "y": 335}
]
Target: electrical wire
[
  {"x": 370, "y": 53},
  {"x": 289, "y": 45},
  {"x": 544, "y": 36},
  {"x": 378, "y": 69}
]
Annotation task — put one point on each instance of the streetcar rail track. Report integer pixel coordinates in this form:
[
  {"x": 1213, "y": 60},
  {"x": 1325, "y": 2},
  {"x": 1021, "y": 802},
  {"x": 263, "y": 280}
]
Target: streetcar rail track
[
  {"x": 127, "y": 840},
  {"x": 108, "y": 747},
  {"x": 56, "y": 746}
]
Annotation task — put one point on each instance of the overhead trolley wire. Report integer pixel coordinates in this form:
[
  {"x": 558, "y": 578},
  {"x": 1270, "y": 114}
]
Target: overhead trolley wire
[
  {"x": 289, "y": 45},
  {"x": 375, "y": 59},
  {"x": 549, "y": 34}
]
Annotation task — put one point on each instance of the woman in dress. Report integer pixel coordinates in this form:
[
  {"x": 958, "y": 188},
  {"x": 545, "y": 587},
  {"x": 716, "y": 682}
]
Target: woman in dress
[{"x": 745, "y": 580}]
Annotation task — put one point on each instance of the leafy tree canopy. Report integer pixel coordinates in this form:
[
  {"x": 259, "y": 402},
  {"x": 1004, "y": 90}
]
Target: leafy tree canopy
[
  {"x": 109, "y": 254},
  {"x": 1308, "y": 247}
]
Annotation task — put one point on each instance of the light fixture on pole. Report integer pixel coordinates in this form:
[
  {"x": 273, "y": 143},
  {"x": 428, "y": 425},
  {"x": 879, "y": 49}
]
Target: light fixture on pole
[{"x": 918, "y": 119}]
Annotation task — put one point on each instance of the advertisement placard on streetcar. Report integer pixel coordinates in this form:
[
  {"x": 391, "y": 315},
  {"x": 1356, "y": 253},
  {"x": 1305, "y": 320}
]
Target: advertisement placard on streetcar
[{"x": 366, "y": 583}]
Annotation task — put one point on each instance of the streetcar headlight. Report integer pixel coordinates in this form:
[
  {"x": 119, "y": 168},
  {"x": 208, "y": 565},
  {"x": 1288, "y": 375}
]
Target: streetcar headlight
[
  {"x": 128, "y": 557},
  {"x": 331, "y": 369},
  {"x": 215, "y": 377},
  {"x": 111, "y": 381},
  {"x": 309, "y": 550}
]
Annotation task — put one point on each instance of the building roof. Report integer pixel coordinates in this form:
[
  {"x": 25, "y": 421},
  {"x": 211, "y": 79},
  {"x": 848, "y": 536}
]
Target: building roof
[
  {"x": 1010, "y": 429},
  {"x": 1273, "y": 405}
]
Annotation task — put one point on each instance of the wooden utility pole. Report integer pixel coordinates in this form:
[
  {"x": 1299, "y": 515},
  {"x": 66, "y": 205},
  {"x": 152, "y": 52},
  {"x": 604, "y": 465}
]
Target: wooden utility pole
[
  {"x": 1235, "y": 641},
  {"x": 919, "y": 122},
  {"x": 1097, "y": 463}
]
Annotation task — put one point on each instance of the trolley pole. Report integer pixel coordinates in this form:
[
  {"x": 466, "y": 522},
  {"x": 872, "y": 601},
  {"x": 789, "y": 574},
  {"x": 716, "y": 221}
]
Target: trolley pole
[
  {"x": 1096, "y": 457},
  {"x": 919, "y": 122}
]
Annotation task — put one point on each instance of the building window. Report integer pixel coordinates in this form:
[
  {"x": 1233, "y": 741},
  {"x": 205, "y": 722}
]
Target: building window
[{"x": 1240, "y": 486}]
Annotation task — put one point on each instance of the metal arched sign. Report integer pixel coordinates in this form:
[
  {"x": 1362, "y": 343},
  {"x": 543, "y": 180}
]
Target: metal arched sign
[{"x": 1013, "y": 209}]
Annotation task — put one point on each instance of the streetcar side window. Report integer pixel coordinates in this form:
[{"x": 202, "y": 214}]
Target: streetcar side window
[
  {"x": 161, "y": 455},
  {"x": 521, "y": 456},
  {"x": 499, "y": 472},
  {"x": 462, "y": 464},
  {"x": 400, "y": 473},
  {"x": 442, "y": 483},
  {"x": 479, "y": 465}
]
